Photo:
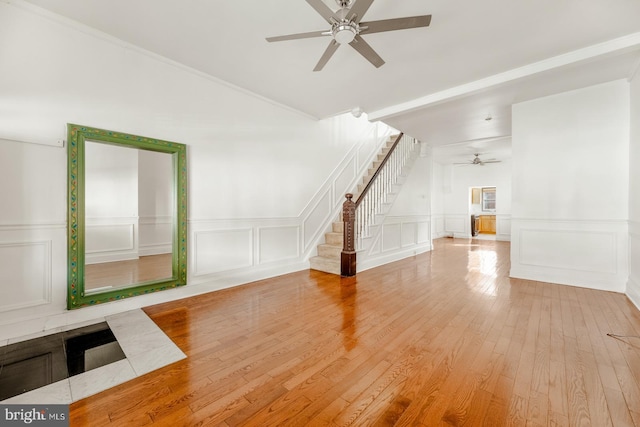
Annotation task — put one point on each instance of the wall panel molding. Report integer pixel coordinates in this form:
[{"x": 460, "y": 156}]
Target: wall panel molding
[
  {"x": 27, "y": 267},
  {"x": 399, "y": 237},
  {"x": 459, "y": 225},
  {"x": 221, "y": 250},
  {"x": 276, "y": 244},
  {"x": 592, "y": 254},
  {"x": 438, "y": 229}
]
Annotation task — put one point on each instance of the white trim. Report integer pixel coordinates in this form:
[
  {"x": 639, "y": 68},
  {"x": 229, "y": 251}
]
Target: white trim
[
  {"x": 633, "y": 292},
  {"x": 584, "y": 54},
  {"x": 42, "y": 225}
]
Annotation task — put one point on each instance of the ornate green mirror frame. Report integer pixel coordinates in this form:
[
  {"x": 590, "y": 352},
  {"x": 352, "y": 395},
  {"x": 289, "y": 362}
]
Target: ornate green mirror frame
[{"x": 77, "y": 137}]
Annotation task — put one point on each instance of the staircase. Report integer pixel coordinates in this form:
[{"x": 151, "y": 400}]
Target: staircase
[{"x": 328, "y": 258}]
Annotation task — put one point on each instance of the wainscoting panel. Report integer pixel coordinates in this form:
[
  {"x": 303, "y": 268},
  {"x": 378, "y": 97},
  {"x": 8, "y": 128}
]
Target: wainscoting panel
[
  {"x": 278, "y": 244},
  {"x": 458, "y": 225},
  {"x": 25, "y": 274},
  {"x": 221, "y": 250},
  {"x": 423, "y": 232},
  {"x": 154, "y": 235},
  {"x": 391, "y": 237},
  {"x": 110, "y": 242},
  {"x": 438, "y": 229},
  {"x": 569, "y": 249},
  {"x": 400, "y": 237},
  {"x": 409, "y": 234},
  {"x": 591, "y": 254}
]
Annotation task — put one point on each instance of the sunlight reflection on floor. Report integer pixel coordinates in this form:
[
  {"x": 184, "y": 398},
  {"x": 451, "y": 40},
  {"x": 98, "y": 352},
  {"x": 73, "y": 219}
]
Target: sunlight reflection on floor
[{"x": 484, "y": 262}]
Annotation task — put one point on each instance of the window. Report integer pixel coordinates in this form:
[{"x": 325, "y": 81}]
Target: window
[{"x": 489, "y": 199}]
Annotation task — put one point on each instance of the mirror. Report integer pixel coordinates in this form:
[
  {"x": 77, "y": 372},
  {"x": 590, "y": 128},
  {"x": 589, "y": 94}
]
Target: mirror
[{"x": 127, "y": 203}]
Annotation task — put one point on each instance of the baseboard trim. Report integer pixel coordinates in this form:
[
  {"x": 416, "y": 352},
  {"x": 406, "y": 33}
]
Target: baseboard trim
[
  {"x": 633, "y": 292},
  {"x": 561, "y": 277}
]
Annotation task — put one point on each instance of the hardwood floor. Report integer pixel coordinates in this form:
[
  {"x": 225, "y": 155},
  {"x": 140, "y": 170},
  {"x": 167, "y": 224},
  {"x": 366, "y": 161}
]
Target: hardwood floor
[{"x": 443, "y": 338}]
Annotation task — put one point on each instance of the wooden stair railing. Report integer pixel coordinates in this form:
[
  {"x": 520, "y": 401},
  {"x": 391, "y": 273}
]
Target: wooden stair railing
[{"x": 358, "y": 216}]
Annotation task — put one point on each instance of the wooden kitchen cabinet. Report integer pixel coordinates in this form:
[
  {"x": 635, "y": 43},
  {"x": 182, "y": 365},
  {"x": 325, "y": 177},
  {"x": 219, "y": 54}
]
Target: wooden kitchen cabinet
[
  {"x": 487, "y": 224},
  {"x": 475, "y": 196}
]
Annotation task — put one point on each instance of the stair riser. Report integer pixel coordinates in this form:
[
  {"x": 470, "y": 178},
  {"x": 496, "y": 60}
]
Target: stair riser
[
  {"x": 332, "y": 252},
  {"x": 335, "y": 239},
  {"x": 326, "y": 265}
]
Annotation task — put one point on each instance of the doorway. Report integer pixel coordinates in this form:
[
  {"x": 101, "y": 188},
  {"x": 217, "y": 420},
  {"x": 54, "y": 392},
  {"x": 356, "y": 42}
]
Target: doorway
[{"x": 482, "y": 212}]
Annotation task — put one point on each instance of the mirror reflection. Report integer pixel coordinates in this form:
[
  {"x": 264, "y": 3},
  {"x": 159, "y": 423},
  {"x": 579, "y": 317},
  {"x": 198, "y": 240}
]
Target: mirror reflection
[{"x": 128, "y": 216}]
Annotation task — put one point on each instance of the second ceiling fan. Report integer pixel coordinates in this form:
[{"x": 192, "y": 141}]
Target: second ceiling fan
[
  {"x": 476, "y": 161},
  {"x": 347, "y": 27}
]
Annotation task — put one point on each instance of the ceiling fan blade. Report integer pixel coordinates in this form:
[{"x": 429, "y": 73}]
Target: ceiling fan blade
[
  {"x": 492, "y": 161},
  {"x": 360, "y": 8},
  {"x": 322, "y": 9},
  {"x": 367, "y": 51},
  {"x": 328, "y": 53},
  {"x": 395, "y": 24},
  {"x": 298, "y": 36}
]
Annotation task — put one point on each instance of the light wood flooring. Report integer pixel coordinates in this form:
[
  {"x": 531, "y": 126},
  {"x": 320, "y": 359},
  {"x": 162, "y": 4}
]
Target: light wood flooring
[
  {"x": 126, "y": 273},
  {"x": 443, "y": 338}
]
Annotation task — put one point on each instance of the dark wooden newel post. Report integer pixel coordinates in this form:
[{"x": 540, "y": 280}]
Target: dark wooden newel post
[{"x": 348, "y": 255}]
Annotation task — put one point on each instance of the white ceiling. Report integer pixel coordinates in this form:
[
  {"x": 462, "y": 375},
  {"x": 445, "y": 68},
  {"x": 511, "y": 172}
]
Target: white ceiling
[{"x": 439, "y": 83}]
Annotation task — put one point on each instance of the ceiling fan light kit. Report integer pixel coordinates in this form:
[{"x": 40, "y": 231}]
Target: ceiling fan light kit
[
  {"x": 344, "y": 33},
  {"x": 346, "y": 29}
]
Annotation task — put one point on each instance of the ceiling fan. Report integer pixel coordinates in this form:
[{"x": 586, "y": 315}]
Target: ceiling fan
[
  {"x": 476, "y": 161},
  {"x": 347, "y": 27}
]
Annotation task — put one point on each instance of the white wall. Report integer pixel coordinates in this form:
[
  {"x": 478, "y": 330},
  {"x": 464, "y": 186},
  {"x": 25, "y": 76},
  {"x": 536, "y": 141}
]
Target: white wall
[
  {"x": 111, "y": 203},
  {"x": 262, "y": 182},
  {"x": 457, "y": 196},
  {"x": 437, "y": 200},
  {"x": 155, "y": 203},
  {"x": 633, "y": 286},
  {"x": 570, "y": 187}
]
